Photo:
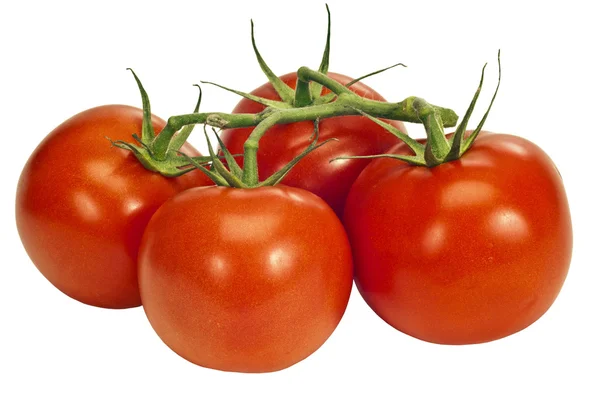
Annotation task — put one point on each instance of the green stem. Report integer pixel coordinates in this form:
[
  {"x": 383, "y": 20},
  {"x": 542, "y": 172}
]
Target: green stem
[
  {"x": 403, "y": 111},
  {"x": 219, "y": 120},
  {"x": 347, "y": 104},
  {"x": 437, "y": 146},
  {"x": 305, "y": 74},
  {"x": 303, "y": 96},
  {"x": 250, "y": 172},
  {"x": 411, "y": 109}
]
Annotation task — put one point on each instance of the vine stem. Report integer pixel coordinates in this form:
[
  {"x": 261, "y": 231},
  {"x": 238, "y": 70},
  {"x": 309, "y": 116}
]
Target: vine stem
[
  {"x": 250, "y": 169},
  {"x": 347, "y": 103}
]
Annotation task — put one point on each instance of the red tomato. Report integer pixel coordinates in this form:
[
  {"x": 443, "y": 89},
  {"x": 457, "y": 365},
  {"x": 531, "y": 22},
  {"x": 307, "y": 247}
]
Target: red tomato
[
  {"x": 331, "y": 181},
  {"x": 247, "y": 280},
  {"x": 82, "y": 205},
  {"x": 467, "y": 252}
]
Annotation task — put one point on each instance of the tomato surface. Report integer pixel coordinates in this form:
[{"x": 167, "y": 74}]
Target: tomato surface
[
  {"x": 247, "y": 280},
  {"x": 82, "y": 205},
  {"x": 466, "y": 252},
  {"x": 356, "y": 136}
]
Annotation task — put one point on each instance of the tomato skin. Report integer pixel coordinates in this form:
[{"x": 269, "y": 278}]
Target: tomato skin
[
  {"x": 331, "y": 181},
  {"x": 467, "y": 252},
  {"x": 82, "y": 205},
  {"x": 247, "y": 280}
]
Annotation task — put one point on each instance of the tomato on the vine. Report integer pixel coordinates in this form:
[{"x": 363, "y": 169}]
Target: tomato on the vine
[
  {"x": 469, "y": 251},
  {"x": 356, "y": 136},
  {"x": 248, "y": 280},
  {"x": 82, "y": 205}
]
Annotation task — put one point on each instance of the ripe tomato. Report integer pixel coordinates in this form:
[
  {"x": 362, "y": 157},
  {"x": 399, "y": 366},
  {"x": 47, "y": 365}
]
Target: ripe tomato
[
  {"x": 466, "y": 252},
  {"x": 248, "y": 280},
  {"x": 82, "y": 205},
  {"x": 331, "y": 181}
]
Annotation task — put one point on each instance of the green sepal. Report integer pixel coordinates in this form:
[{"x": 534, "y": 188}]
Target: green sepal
[
  {"x": 220, "y": 168},
  {"x": 316, "y": 88},
  {"x": 469, "y": 141},
  {"x": 249, "y": 96},
  {"x": 349, "y": 84},
  {"x": 331, "y": 96},
  {"x": 147, "y": 129},
  {"x": 142, "y": 144},
  {"x": 215, "y": 177},
  {"x": 179, "y": 139},
  {"x": 414, "y": 160},
  {"x": 170, "y": 167},
  {"x": 459, "y": 134},
  {"x": 285, "y": 92},
  {"x": 233, "y": 165},
  {"x": 280, "y": 175},
  {"x": 414, "y": 145}
]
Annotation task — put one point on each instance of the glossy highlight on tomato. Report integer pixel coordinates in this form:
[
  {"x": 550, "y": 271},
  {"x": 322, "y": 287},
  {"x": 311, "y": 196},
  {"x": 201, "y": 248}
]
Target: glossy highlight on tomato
[
  {"x": 356, "y": 136},
  {"x": 246, "y": 280},
  {"x": 82, "y": 205},
  {"x": 466, "y": 252}
]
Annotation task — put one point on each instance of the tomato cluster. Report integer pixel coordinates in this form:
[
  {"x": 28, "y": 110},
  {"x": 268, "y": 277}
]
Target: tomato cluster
[{"x": 450, "y": 240}]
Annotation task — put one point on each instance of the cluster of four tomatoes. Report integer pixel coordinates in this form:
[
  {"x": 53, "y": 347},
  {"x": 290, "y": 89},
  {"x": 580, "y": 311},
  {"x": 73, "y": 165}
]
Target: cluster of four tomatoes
[{"x": 255, "y": 280}]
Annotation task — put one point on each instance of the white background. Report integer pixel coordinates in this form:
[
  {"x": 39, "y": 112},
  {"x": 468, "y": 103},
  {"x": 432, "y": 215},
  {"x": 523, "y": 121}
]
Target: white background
[{"x": 60, "y": 58}]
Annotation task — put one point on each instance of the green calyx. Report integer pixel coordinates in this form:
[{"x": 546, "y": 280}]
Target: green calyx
[
  {"x": 234, "y": 176},
  {"x": 152, "y": 152},
  {"x": 438, "y": 148}
]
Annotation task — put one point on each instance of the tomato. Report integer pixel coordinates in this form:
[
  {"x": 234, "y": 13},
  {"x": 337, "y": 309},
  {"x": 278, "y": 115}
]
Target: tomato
[
  {"x": 82, "y": 205},
  {"x": 466, "y": 252},
  {"x": 247, "y": 280},
  {"x": 357, "y": 136}
]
